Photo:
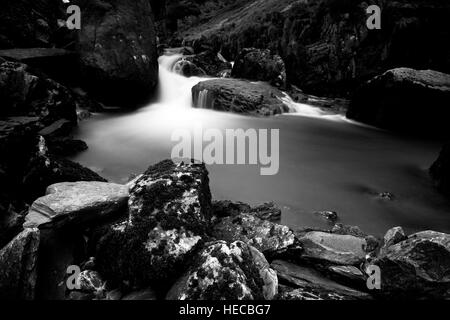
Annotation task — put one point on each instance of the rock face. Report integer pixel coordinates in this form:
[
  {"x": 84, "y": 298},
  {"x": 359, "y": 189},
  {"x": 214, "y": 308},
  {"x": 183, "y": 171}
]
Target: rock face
[
  {"x": 169, "y": 213},
  {"x": 226, "y": 271},
  {"x": 117, "y": 46},
  {"x": 440, "y": 170},
  {"x": 333, "y": 248},
  {"x": 76, "y": 203},
  {"x": 310, "y": 284},
  {"x": 326, "y": 44},
  {"x": 268, "y": 237},
  {"x": 418, "y": 267},
  {"x": 18, "y": 261},
  {"x": 395, "y": 100},
  {"x": 238, "y": 96},
  {"x": 260, "y": 65}
]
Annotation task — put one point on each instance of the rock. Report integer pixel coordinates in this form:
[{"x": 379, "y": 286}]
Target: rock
[
  {"x": 222, "y": 271},
  {"x": 394, "y": 236},
  {"x": 386, "y": 99},
  {"x": 145, "y": 294},
  {"x": 331, "y": 216},
  {"x": 355, "y": 231},
  {"x": 118, "y": 54},
  {"x": 268, "y": 237},
  {"x": 267, "y": 211},
  {"x": 91, "y": 282},
  {"x": 260, "y": 65},
  {"x": 76, "y": 203},
  {"x": 418, "y": 267},
  {"x": 333, "y": 248},
  {"x": 238, "y": 96},
  {"x": 211, "y": 63},
  {"x": 10, "y": 222},
  {"x": 227, "y": 208},
  {"x": 65, "y": 147},
  {"x": 169, "y": 214},
  {"x": 313, "y": 284},
  {"x": 386, "y": 196},
  {"x": 269, "y": 276},
  {"x": 440, "y": 170},
  {"x": 24, "y": 93},
  {"x": 349, "y": 273},
  {"x": 188, "y": 69},
  {"x": 114, "y": 295},
  {"x": 45, "y": 169},
  {"x": 18, "y": 266}
]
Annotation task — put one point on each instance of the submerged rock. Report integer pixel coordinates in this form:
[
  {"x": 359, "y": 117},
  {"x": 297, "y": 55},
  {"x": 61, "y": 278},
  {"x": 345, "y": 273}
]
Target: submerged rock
[
  {"x": 18, "y": 266},
  {"x": 311, "y": 284},
  {"x": 76, "y": 203},
  {"x": 169, "y": 214},
  {"x": 118, "y": 54},
  {"x": 238, "y": 96},
  {"x": 395, "y": 100},
  {"x": 418, "y": 267},
  {"x": 333, "y": 248},
  {"x": 226, "y": 271},
  {"x": 268, "y": 237},
  {"x": 260, "y": 65}
]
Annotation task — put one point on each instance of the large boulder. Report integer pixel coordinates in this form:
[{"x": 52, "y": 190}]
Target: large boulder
[
  {"x": 117, "y": 46},
  {"x": 169, "y": 214},
  {"x": 238, "y": 96},
  {"x": 18, "y": 266},
  {"x": 268, "y": 237},
  {"x": 76, "y": 203},
  {"x": 440, "y": 170},
  {"x": 333, "y": 248},
  {"x": 418, "y": 267},
  {"x": 260, "y": 65},
  {"x": 395, "y": 100},
  {"x": 210, "y": 62},
  {"x": 227, "y": 271}
]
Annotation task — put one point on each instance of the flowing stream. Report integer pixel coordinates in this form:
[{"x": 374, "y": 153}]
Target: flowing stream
[{"x": 326, "y": 161}]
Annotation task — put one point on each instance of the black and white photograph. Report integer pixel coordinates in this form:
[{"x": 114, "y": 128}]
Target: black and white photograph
[{"x": 201, "y": 152}]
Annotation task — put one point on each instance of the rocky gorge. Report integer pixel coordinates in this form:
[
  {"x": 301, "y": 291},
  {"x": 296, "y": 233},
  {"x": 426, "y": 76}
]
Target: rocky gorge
[{"x": 162, "y": 235}]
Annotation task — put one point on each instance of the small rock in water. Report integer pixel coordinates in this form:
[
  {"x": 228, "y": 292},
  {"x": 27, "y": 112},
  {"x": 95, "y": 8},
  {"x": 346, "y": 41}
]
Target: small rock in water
[
  {"x": 386, "y": 196},
  {"x": 331, "y": 216}
]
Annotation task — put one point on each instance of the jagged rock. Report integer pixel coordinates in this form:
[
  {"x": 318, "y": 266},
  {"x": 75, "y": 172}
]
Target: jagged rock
[
  {"x": 418, "y": 267},
  {"x": 333, "y": 248},
  {"x": 169, "y": 214},
  {"x": 117, "y": 46},
  {"x": 211, "y": 63},
  {"x": 394, "y": 236},
  {"x": 18, "y": 266},
  {"x": 45, "y": 169},
  {"x": 188, "y": 69},
  {"x": 238, "y": 96},
  {"x": 260, "y": 65},
  {"x": 268, "y": 237},
  {"x": 91, "y": 282},
  {"x": 224, "y": 271},
  {"x": 355, "y": 231},
  {"x": 440, "y": 170},
  {"x": 350, "y": 273},
  {"x": 312, "y": 285},
  {"x": 145, "y": 294},
  {"x": 227, "y": 208},
  {"x": 267, "y": 211},
  {"x": 385, "y": 100},
  {"x": 76, "y": 203}
]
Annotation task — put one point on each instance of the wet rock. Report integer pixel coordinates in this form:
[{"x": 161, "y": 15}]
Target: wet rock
[
  {"x": 169, "y": 214},
  {"x": 312, "y": 285},
  {"x": 267, "y": 211},
  {"x": 260, "y": 65},
  {"x": 113, "y": 295},
  {"x": 18, "y": 266},
  {"x": 331, "y": 216},
  {"x": 394, "y": 236},
  {"x": 188, "y": 69},
  {"x": 404, "y": 91},
  {"x": 227, "y": 208},
  {"x": 65, "y": 147},
  {"x": 223, "y": 271},
  {"x": 118, "y": 54},
  {"x": 91, "y": 282},
  {"x": 76, "y": 203},
  {"x": 349, "y": 273},
  {"x": 372, "y": 244},
  {"x": 144, "y": 294},
  {"x": 440, "y": 170},
  {"x": 238, "y": 96},
  {"x": 45, "y": 169},
  {"x": 268, "y": 237},
  {"x": 387, "y": 196},
  {"x": 211, "y": 63},
  {"x": 417, "y": 267},
  {"x": 333, "y": 248},
  {"x": 355, "y": 231}
]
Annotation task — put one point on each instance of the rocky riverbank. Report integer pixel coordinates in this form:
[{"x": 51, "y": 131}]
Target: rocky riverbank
[{"x": 161, "y": 236}]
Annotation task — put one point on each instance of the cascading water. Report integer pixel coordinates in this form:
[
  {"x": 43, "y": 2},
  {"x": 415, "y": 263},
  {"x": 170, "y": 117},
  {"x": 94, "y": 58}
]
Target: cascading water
[
  {"x": 203, "y": 99},
  {"x": 324, "y": 165}
]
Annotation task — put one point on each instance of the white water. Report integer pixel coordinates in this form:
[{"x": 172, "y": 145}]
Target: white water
[{"x": 326, "y": 163}]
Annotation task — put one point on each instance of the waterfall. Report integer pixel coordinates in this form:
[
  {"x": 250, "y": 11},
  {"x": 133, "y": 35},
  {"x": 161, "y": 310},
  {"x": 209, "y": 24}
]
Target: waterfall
[{"x": 202, "y": 101}]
